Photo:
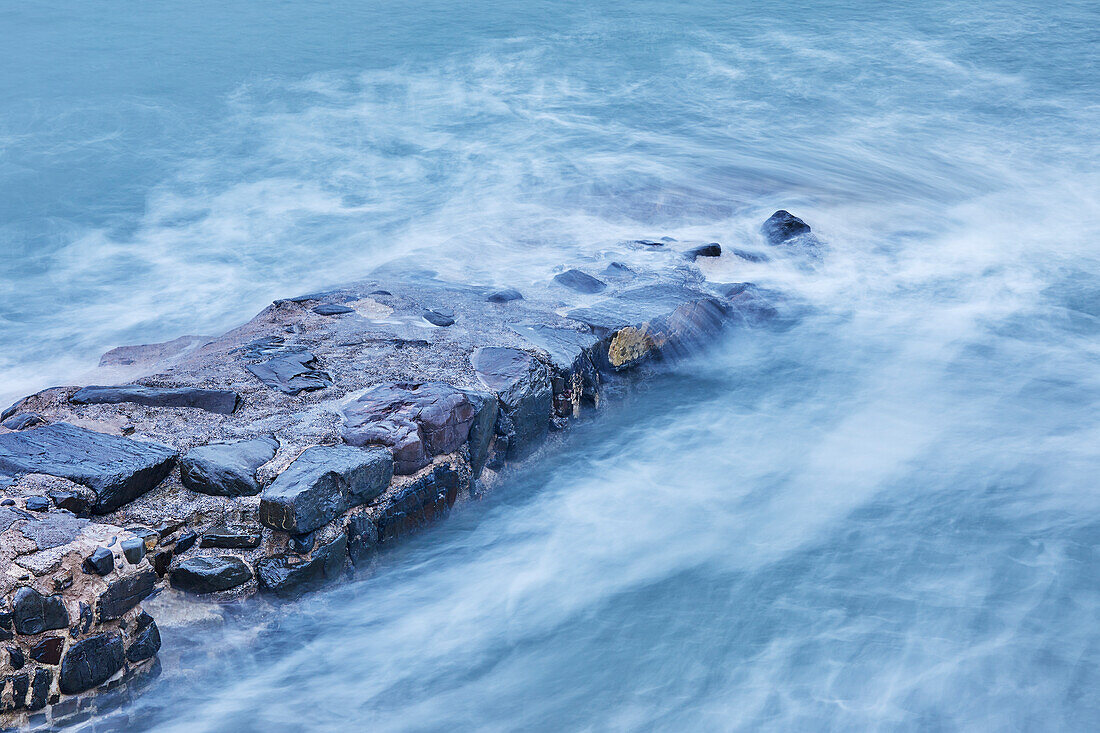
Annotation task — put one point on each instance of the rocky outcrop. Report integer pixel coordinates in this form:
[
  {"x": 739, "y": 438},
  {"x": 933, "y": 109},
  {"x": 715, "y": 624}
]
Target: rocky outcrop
[{"x": 359, "y": 415}]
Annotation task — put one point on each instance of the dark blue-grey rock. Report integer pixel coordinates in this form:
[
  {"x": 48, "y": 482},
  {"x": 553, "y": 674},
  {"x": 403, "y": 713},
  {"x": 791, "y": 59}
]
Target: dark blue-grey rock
[
  {"x": 133, "y": 550},
  {"x": 12, "y": 409},
  {"x": 185, "y": 542},
  {"x": 23, "y": 421},
  {"x": 278, "y": 575},
  {"x": 48, "y": 650},
  {"x": 206, "y": 574},
  {"x": 362, "y": 539},
  {"x": 37, "y": 504},
  {"x": 581, "y": 282},
  {"x": 91, "y": 662},
  {"x": 619, "y": 271},
  {"x": 522, "y": 384},
  {"x": 34, "y": 613},
  {"x": 19, "y": 685},
  {"x": 232, "y": 536},
  {"x": 123, "y": 594},
  {"x": 118, "y": 469},
  {"x": 100, "y": 562},
  {"x": 438, "y": 319},
  {"x": 783, "y": 226},
  {"x": 414, "y": 420},
  {"x": 425, "y": 500},
  {"x": 146, "y": 639},
  {"x": 704, "y": 250},
  {"x": 292, "y": 373},
  {"x": 323, "y": 483},
  {"x": 40, "y": 688},
  {"x": 79, "y": 501},
  {"x": 226, "y": 469},
  {"x": 506, "y": 295},
  {"x": 16, "y": 659},
  {"x": 332, "y": 309},
  {"x": 221, "y": 401},
  {"x": 749, "y": 256}
]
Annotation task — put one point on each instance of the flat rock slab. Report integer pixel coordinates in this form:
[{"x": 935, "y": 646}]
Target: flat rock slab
[
  {"x": 292, "y": 373},
  {"x": 205, "y": 574},
  {"x": 118, "y": 469},
  {"x": 222, "y": 401},
  {"x": 226, "y": 469},
  {"x": 522, "y": 384},
  {"x": 416, "y": 421},
  {"x": 323, "y": 483},
  {"x": 53, "y": 529}
]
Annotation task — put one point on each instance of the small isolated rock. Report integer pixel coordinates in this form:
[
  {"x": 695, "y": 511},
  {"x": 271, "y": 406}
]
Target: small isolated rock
[
  {"x": 100, "y": 562},
  {"x": 34, "y": 613},
  {"x": 782, "y": 226},
  {"x": 210, "y": 574},
  {"x": 705, "y": 250},
  {"x": 323, "y": 483},
  {"x": 504, "y": 296},
  {"x": 277, "y": 575},
  {"x": 292, "y": 373},
  {"x": 651, "y": 243},
  {"x": 332, "y": 309},
  {"x": 23, "y": 421},
  {"x": 226, "y": 469},
  {"x": 38, "y": 504},
  {"x": 222, "y": 401},
  {"x": 582, "y": 282},
  {"x": 438, "y": 319},
  {"x": 91, "y": 662},
  {"x": 133, "y": 550}
]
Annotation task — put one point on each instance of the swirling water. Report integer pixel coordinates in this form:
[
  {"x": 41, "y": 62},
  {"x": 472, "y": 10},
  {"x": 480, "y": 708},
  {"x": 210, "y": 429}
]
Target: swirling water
[{"x": 883, "y": 517}]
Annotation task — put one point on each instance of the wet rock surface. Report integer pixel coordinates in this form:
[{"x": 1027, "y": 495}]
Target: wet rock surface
[
  {"x": 212, "y": 400},
  {"x": 324, "y": 482},
  {"x": 783, "y": 226},
  {"x": 91, "y": 662},
  {"x": 288, "y": 577},
  {"x": 206, "y": 574},
  {"x": 117, "y": 469},
  {"x": 292, "y": 374},
  {"x": 226, "y": 469},
  {"x": 580, "y": 281},
  {"x": 522, "y": 384}
]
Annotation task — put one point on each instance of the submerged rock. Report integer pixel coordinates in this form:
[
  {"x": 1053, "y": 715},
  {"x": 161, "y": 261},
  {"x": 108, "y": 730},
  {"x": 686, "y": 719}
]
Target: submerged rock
[
  {"x": 118, "y": 469},
  {"x": 222, "y": 401},
  {"x": 292, "y": 373},
  {"x": 783, "y": 226},
  {"x": 705, "y": 250},
  {"x": 580, "y": 281},
  {"x": 522, "y": 384},
  {"x": 226, "y": 469},
  {"x": 323, "y": 483},
  {"x": 206, "y": 574},
  {"x": 416, "y": 421}
]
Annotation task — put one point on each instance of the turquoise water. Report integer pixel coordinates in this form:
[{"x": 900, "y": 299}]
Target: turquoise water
[{"x": 886, "y": 517}]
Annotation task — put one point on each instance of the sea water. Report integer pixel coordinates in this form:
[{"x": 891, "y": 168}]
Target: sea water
[{"x": 884, "y": 515}]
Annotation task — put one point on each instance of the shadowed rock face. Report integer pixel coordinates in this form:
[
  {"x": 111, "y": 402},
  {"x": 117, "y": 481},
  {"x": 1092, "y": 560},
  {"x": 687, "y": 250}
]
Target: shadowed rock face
[
  {"x": 278, "y": 576},
  {"x": 210, "y": 574},
  {"x": 118, "y": 469},
  {"x": 522, "y": 384},
  {"x": 580, "y": 281},
  {"x": 416, "y": 421},
  {"x": 91, "y": 662},
  {"x": 222, "y": 401},
  {"x": 323, "y": 483},
  {"x": 226, "y": 469}
]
